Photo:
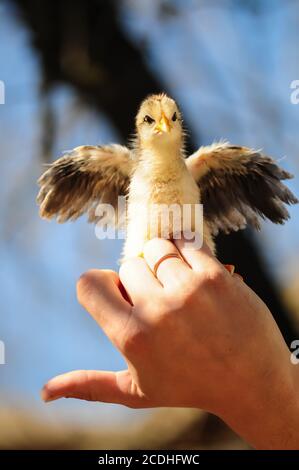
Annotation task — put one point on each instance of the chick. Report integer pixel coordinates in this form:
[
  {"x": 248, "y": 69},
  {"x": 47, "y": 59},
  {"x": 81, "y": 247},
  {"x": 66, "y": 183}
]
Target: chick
[
  {"x": 161, "y": 178},
  {"x": 236, "y": 185}
]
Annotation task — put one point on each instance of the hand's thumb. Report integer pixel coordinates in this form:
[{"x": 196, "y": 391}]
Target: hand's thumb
[{"x": 92, "y": 385}]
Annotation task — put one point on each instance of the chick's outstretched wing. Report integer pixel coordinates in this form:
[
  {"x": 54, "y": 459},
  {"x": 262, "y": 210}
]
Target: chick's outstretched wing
[
  {"x": 82, "y": 178},
  {"x": 237, "y": 185}
]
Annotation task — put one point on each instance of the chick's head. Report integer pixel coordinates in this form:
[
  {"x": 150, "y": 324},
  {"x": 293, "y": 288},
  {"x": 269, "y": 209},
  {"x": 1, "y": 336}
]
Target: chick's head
[{"x": 159, "y": 122}]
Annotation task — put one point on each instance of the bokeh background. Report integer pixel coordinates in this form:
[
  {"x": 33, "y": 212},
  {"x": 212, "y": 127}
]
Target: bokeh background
[{"x": 74, "y": 73}]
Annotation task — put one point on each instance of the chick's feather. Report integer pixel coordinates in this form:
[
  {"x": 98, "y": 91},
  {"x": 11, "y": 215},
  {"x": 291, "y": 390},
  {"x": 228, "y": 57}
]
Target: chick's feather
[
  {"x": 238, "y": 184},
  {"x": 77, "y": 182}
]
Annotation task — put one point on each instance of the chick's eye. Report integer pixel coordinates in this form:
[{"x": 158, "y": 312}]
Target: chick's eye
[
  {"x": 148, "y": 119},
  {"x": 174, "y": 117}
]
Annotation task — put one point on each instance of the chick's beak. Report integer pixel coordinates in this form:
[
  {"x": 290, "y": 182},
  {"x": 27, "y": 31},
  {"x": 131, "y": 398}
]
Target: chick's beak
[{"x": 163, "y": 125}]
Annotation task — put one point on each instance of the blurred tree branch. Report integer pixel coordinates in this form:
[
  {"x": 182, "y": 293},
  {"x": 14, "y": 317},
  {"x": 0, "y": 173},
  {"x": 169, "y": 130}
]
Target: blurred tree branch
[{"x": 81, "y": 43}]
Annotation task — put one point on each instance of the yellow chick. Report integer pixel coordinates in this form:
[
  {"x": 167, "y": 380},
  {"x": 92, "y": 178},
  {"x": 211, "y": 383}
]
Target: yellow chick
[{"x": 236, "y": 185}]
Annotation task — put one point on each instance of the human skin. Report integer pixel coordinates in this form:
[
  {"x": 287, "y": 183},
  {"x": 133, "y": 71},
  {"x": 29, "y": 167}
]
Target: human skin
[{"x": 194, "y": 336}]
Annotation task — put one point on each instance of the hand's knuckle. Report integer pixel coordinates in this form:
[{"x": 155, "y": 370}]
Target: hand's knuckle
[
  {"x": 187, "y": 290},
  {"x": 86, "y": 283},
  {"x": 170, "y": 309},
  {"x": 215, "y": 278},
  {"x": 185, "y": 300},
  {"x": 195, "y": 289}
]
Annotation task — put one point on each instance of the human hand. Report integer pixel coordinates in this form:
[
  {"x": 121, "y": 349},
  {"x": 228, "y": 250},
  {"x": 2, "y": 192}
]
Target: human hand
[{"x": 195, "y": 336}]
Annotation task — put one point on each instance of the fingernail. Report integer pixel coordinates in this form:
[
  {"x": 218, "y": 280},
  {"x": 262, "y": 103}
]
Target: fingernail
[
  {"x": 46, "y": 396},
  {"x": 230, "y": 268},
  {"x": 47, "y": 400}
]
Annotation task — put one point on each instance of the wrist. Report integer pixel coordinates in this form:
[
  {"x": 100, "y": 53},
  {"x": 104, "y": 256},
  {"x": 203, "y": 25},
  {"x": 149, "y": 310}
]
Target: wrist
[{"x": 267, "y": 417}]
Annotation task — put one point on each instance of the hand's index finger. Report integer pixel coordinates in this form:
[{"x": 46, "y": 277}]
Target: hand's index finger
[{"x": 165, "y": 261}]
